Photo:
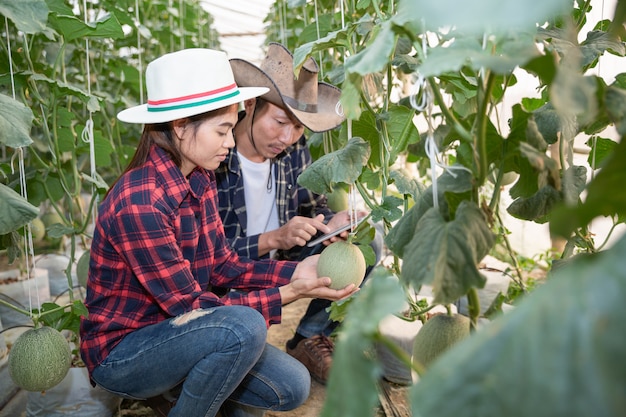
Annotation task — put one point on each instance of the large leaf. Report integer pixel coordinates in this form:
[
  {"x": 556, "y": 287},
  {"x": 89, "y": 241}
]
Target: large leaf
[
  {"x": 445, "y": 254},
  {"x": 351, "y": 389},
  {"x": 16, "y": 121},
  {"x": 377, "y": 55},
  {"x": 342, "y": 166},
  {"x": 476, "y": 16},
  {"x": 466, "y": 51},
  {"x": 29, "y": 16},
  {"x": 73, "y": 28},
  {"x": 404, "y": 230},
  {"x": 15, "y": 210},
  {"x": 559, "y": 353},
  {"x": 604, "y": 196}
]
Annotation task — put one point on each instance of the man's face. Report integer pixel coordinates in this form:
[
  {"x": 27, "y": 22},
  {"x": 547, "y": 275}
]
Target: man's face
[{"x": 274, "y": 130}]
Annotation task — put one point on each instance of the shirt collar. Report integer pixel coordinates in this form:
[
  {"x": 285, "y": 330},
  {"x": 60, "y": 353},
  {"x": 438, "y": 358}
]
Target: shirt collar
[{"x": 176, "y": 185}]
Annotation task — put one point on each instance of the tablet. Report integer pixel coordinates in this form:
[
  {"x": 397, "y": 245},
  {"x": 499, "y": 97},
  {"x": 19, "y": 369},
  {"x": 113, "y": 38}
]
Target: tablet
[{"x": 335, "y": 232}]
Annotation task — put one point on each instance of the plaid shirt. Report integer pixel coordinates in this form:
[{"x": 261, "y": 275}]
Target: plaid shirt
[
  {"x": 158, "y": 249},
  {"x": 291, "y": 199}
]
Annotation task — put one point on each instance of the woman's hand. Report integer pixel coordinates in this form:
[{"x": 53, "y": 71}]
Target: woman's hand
[{"x": 306, "y": 284}]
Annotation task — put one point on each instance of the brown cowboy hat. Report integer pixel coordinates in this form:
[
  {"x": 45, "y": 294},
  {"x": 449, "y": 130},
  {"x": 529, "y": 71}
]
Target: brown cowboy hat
[{"x": 313, "y": 103}]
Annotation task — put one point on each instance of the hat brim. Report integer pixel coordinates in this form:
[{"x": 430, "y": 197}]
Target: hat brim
[
  {"x": 140, "y": 113},
  {"x": 327, "y": 117}
]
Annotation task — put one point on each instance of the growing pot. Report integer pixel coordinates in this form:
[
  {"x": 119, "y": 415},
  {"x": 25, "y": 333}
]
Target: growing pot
[{"x": 74, "y": 396}]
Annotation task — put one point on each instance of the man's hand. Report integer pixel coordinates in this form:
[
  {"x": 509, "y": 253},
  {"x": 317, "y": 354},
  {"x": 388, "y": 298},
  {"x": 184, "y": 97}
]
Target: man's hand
[{"x": 296, "y": 232}]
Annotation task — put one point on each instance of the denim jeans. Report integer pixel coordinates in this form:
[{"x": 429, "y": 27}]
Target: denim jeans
[{"x": 215, "y": 357}]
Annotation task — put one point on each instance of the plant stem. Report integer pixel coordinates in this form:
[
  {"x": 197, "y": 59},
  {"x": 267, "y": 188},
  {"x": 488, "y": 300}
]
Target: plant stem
[
  {"x": 16, "y": 308},
  {"x": 480, "y": 144},
  {"x": 473, "y": 306}
]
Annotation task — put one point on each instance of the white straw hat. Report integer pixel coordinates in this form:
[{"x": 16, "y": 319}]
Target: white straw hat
[{"x": 186, "y": 83}]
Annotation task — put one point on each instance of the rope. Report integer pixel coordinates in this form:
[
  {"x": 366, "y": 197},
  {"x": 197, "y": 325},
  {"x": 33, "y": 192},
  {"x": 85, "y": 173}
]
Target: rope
[
  {"x": 421, "y": 99},
  {"x": 87, "y": 134},
  {"x": 140, "y": 64}
]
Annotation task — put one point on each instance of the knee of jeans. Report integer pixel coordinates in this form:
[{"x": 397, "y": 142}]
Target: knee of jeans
[{"x": 248, "y": 324}]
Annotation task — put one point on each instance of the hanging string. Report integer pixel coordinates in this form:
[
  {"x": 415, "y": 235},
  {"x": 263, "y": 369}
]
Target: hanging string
[
  {"x": 139, "y": 55},
  {"x": 28, "y": 236},
  {"x": 181, "y": 11},
  {"x": 422, "y": 100},
  {"x": 87, "y": 134}
]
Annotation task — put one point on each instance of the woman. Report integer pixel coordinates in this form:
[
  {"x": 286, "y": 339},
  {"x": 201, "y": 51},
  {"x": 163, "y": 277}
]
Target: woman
[{"x": 159, "y": 248}]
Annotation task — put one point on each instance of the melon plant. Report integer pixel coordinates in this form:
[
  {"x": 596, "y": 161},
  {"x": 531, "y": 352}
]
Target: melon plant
[
  {"x": 437, "y": 335},
  {"x": 39, "y": 359},
  {"x": 343, "y": 262}
]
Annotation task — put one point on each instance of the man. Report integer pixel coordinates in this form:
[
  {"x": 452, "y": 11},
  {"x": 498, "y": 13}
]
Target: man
[{"x": 264, "y": 210}]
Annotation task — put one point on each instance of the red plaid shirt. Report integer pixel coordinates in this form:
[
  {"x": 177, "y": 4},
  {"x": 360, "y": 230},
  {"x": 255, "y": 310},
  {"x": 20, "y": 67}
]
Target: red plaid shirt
[{"x": 158, "y": 249}]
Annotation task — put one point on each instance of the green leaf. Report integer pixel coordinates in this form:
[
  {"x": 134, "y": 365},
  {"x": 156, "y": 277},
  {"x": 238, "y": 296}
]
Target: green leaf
[
  {"x": 563, "y": 343},
  {"x": 536, "y": 207},
  {"x": 377, "y": 55},
  {"x": 403, "y": 231},
  {"x": 335, "y": 39},
  {"x": 343, "y": 165},
  {"x": 445, "y": 254},
  {"x": 406, "y": 184},
  {"x": 476, "y": 16},
  {"x": 16, "y": 121},
  {"x": 29, "y": 16},
  {"x": 508, "y": 54},
  {"x": 401, "y": 129},
  {"x": 73, "y": 28},
  {"x": 615, "y": 102},
  {"x": 351, "y": 389},
  {"x": 547, "y": 122},
  {"x": 604, "y": 197},
  {"x": 601, "y": 149},
  {"x": 15, "y": 210},
  {"x": 596, "y": 44}
]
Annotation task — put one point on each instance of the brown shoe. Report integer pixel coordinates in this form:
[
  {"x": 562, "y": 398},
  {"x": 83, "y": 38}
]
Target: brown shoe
[
  {"x": 316, "y": 354},
  {"x": 160, "y": 405}
]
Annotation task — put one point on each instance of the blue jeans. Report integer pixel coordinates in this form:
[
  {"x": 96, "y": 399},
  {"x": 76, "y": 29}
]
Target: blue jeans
[{"x": 217, "y": 358}]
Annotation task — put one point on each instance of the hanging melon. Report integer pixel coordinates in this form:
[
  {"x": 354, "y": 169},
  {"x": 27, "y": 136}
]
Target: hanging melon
[
  {"x": 438, "y": 334},
  {"x": 39, "y": 359},
  {"x": 343, "y": 262}
]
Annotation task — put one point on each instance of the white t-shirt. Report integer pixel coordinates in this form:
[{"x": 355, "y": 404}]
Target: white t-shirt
[{"x": 262, "y": 214}]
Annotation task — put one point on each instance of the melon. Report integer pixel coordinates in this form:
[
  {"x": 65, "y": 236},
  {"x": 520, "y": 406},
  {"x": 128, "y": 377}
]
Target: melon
[
  {"x": 82, "y": 269},
  {"x": 343, "y": 262},
  {"x": 37, "y": 230},
  {"x": 39, "y": 359},
  {"x": 437, "y": 335},
  {"x": 337, "y": 200}
]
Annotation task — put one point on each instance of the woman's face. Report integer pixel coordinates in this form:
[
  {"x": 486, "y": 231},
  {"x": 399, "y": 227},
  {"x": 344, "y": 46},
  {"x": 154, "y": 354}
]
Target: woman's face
[{"x": 206, "y": 143}]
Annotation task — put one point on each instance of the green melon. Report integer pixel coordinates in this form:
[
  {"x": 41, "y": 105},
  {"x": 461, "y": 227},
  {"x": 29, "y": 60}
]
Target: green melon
[
  {"x": 37, "y": 230},
  {"x": 438, "y": 334},
  {"x": 343, "y": 262},
  {"x": 337, "y": 200},
  {"x": 82, "y": 268},
  {"x": 39, "y": 359}
]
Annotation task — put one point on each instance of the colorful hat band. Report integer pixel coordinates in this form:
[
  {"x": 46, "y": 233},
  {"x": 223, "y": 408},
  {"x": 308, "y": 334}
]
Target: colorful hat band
[{"x": 193, "y": 100}]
